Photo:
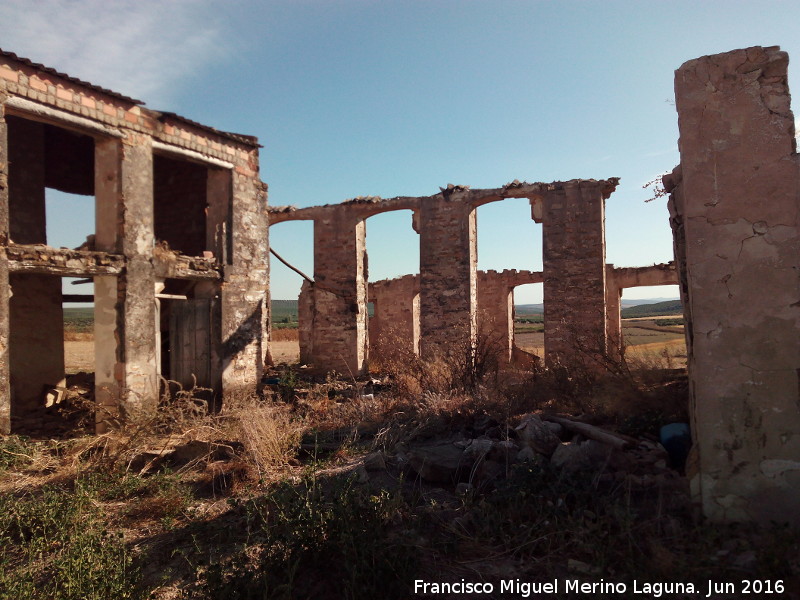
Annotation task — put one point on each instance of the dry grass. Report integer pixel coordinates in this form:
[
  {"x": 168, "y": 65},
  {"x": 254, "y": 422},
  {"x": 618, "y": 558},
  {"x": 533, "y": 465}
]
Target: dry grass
[
  {"x": 288, "y": 334},
  {"x": 270, "y": 433},
  {"x": 78, "y": 336}
]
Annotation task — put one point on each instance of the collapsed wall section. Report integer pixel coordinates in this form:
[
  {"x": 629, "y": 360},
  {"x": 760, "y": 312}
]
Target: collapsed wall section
[
  {"x": 734, "y": 210},
  {"x": 394, "y": 327}
]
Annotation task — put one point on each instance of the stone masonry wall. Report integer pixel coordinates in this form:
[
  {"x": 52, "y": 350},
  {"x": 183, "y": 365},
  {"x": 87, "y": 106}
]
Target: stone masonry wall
[
  {"x": 448, "y": 257},
  {"x": 573, "y": 218},
  {"x": 620, "y": 278},
  {"x": 496, "y": 312},
  {"x": 340, "y": 294},
  {"x": 394, "y": 328},
  {"x": 734, "y": 210},
  {"x": 397, "y": 310}
]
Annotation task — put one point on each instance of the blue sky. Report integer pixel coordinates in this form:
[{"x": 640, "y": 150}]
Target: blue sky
[{"x": 385, "y": 98}]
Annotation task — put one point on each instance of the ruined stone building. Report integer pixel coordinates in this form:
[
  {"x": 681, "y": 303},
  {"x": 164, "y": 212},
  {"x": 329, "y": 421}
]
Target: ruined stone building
[
  {"x": 443, "y": 308},
  {"x": 396, "y": 307},
  {"x": 178, "y": 255},
  {"x": 333, "y": 312},
  {"x": 179, "y": 263}
]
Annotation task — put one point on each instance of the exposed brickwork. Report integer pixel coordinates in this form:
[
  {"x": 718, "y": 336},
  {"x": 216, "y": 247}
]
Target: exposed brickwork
[
  {"x": 448, "y": 259},
  {"x": 734, "y": 209},
  {"x": 573, "y": 220},
  {"x": 394, "y": 327}
]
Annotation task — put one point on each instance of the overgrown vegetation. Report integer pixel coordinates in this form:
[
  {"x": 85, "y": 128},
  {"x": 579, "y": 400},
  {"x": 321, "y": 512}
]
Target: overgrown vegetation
[
  {"x": 271, "y": 496},
  {"x": 56, "y": 543}
]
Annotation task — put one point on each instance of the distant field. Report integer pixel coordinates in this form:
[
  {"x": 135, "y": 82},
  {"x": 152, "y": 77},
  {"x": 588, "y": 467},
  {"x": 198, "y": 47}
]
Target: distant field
[
  {"x": 284, "y": 311},
  {"x": 79, "y": 320},
  {"x": 670, "y": 307}
]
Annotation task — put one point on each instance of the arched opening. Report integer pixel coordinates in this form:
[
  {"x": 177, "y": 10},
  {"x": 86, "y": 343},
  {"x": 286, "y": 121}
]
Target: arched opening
[
  {"x": 528, "y": 320},
  {"x": 294, "y": 242},
  {"x": 393, "y": 292},
  {"x": 508, "y": 238}
]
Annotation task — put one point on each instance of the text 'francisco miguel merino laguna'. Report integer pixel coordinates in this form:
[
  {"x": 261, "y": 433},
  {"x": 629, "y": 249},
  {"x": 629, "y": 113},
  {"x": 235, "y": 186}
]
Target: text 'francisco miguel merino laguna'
[{"x": 525, "y": 589}]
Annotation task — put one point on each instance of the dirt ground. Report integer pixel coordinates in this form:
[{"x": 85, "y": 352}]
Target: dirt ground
[
  {"x": 79, "y": 356},
  {"x": 285, "y": 351}
]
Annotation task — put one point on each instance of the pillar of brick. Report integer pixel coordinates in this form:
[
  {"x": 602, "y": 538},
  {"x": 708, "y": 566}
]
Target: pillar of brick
[
  {"x": 5, "y": 389},
  {"x": 448, "y": 257},
  {"x": 496, "y": 312},
  {"x": 394, "y": 327},
  {"x": 614, "y": 342},
  {"x": 735, "y": 212},
  {"x": 340, "y": 294},
  {"x": 305, "y": 322},
  {"x": 573, "y": 228},
  {"x": 245, "y": 293}
]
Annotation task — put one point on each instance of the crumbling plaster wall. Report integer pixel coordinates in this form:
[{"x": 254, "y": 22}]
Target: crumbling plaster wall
[{"x": 734, "y": 211}]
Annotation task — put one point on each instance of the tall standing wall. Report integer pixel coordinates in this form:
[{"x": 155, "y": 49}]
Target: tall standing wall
[{"x": 734, "y": 211}]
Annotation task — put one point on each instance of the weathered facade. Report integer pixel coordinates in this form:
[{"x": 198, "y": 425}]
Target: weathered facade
[
  {"x": 333, "y": 310},
  {"x": 734, "y": 209},
  {"x": 178, "y": 257}
]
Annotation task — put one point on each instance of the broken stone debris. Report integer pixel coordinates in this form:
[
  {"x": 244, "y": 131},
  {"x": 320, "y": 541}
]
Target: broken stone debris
[{"x": 482, "y": 461}]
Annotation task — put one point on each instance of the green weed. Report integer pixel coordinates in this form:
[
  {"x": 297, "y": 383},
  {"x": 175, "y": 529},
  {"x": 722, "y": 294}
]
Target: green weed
[
  {"x": 311, "y": 539},
  {"x": 54, "y": 544}
]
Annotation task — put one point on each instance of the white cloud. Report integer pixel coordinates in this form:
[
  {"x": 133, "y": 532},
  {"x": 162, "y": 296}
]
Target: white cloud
[{"x": 142, "y": 48}]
